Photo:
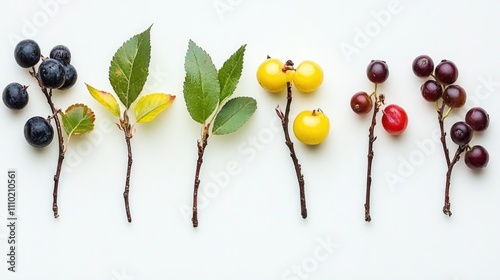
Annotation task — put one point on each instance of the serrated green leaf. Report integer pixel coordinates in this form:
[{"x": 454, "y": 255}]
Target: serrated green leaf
[
  {"x": 130, "y": 67},
  {"x": 78, "y": 119},
  {"x": 230, "y": 73},
  {"x": 201, "y": 86},
  {"x": 149, "y": 106},
  {"x": 234, "y": 114},
  {"x": 106, "y": 99}
]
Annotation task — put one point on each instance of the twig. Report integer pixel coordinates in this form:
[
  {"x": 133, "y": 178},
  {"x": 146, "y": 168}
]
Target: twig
[
  {"x": 127, "y": 178},
  {"x": 284, "y": 122},
  {"x": 48, "y": 96},
  {"x": 456, "y": 158},
  {"x": 440, "y": 111},
  {"x": 371, "y": 138},
  {"x": 201, "y": 144}
]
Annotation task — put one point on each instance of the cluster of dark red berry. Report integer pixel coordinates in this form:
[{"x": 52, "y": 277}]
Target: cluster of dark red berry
[{"x": 446, "y": 95}]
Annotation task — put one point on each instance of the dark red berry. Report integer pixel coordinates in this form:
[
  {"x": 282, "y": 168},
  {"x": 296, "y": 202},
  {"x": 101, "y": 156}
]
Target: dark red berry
[
  {"x": 377, "y": 71},
  {"x": 361, "y": 103},
  {"x": 477, "y": 157},
  {"x": 431, "y": 91},
  {"x": 423, "y": 66},
  {"x": 446, "y": 72},
  {"x": 454, "y": 96},
  {"x": 477, "y": 118},
  {"x": 461, "y": 133}
]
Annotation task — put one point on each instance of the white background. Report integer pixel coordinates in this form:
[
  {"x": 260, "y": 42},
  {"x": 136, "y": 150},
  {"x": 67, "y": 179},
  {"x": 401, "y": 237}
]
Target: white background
[{"x": 250, "y": 224}]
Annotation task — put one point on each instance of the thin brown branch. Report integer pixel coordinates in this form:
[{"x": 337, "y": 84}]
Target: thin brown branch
[
  {"x": 55, "y": 111},
  {"x": 128, "y": 136},
  {"x": 456, "y": 158},
  {"x": 201, "y": 144},
  {"x": 300, "y": 177},
  {"x": 443, "y": 134},
  {"x": 371, "y": 139}
]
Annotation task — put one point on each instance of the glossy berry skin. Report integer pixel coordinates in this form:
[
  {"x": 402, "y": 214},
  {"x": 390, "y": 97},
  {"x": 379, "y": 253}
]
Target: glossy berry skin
[
  {"x": 51, "y": 73},
  {"x": 477, "y": 118},
  {"x": 377, "y": 71},
  {"x": 361, "y": 103},
  {"x": 446, "y": 72},
  {"x": 61, "y": 53},
  {"x": 308, "y": 76},
  {"x": 394, "y": 119},
  {"x": 71, "y": 75},
  {"x": 311, "y": 127},
  {"x": 477, "y": 157},
  {"x": 15, "y": 96},
  {"x": 271, "y": 76},
  {"x": 431, "y": 91},
  {"x": 423, "y": 66},
  {"x": 38, "y": 132},
  {"x": 27, "y": 53},
  {"x": 454, "y": 96},
  {"x": 461, "y": 133}
]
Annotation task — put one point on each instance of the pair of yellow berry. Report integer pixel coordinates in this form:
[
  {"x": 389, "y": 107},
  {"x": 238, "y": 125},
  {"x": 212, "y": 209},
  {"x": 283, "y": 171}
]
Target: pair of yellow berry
[{"x": 311, "y": 127}]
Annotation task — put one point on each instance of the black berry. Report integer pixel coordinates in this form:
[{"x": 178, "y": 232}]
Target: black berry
[
  {"x": 38, "y": 132},
  {"x": 51, "y": 73},
  {"x": 27, "y": 53},
  {"x": 61, "y": 53},
  {"x": 15, "y": 96}
]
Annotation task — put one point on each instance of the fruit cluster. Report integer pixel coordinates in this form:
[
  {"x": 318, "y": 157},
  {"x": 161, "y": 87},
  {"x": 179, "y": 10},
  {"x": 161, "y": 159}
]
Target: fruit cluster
[
  {"x": 440, "y": 89},
  {"x": 53, "y": 72},
  {"x": 394, "y": 118},
  {"x": 310, "y": 127}
]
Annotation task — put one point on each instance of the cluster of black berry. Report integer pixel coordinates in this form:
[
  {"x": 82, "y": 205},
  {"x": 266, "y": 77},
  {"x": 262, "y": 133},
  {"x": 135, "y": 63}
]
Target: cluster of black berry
[
  {"x": 54, "y": 72},
  {"x": 446, "y": 95}
]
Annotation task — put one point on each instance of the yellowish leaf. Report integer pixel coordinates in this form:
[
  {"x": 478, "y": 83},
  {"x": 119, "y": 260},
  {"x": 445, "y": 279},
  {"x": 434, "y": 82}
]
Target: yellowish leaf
[
  {"x": 106, "y": 99},
  {"x": 149, "y": 106}
]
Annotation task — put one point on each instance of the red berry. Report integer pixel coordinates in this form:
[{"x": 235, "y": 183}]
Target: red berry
[
  {"x": 361, "y": 103},
  {"x": 394, "y": 119}
]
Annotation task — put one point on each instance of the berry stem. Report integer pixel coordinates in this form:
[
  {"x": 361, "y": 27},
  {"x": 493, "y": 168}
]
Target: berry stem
[
  {"x": 284, "y": 123},
  {"x": 379, "y": 100},
  {"x": 62, "y": 150},
  {"x": 456, "y": 158},
  {"x": 440, "y": 111},
  {"x": 201, "y": 144}
]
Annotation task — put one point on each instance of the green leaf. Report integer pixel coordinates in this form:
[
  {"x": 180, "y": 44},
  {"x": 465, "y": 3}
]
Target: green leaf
[
  {"x": 106, "y": 99},
  {"x": 149, "y": 106},
  {"x": 233, "y": 115},
  {"x": 201, "y": 86},
  {"x": 78, "y": 119},
  {"x": 129, "y": 67},
  {"x": 230, "y": 73}
]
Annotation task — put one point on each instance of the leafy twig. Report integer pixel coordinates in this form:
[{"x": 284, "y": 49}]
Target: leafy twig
[
  {"x": 128, "y": 83},
  {"x": 206, "y": 91},
  {"x": 284, "y": 123}
]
